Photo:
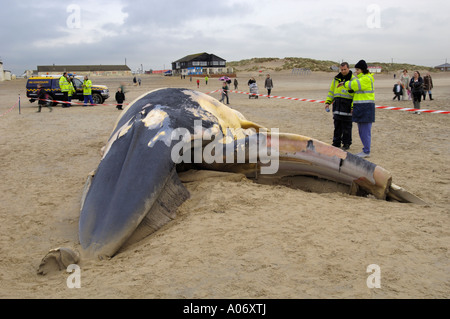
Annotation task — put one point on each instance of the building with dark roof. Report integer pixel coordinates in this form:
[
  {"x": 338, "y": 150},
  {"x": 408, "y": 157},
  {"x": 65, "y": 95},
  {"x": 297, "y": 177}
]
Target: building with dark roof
[
  {"x": 105, "y": 70},
  {"x": 443, "y": 67},
  {"x": 201, "y": 64}
]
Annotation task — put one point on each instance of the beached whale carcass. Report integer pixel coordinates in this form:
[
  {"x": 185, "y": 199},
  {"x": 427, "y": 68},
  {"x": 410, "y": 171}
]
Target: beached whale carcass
[{"x": 135, "y": 189}]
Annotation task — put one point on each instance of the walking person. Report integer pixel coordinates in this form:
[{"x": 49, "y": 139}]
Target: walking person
[
  {"x": 120, "y": 97},
  {"x": 268, "y": 84},
  {"x": 87, "y": 91},
  {"x": 416, "y": 85},
  {"x": 398, "y": 90},
  {"x": 198, "y": 83},
  {"x": 363, "y": 112},
  {"x": 224, "y": 92},
  {"x": 235, "y": 84},
  {"x": 427, "y": 86},
  {"x": 342, "y": 108},
  {"x": 42, "y": 97},
  {"x": 206, "y": 80},
  {"x": 404, "y": 78}
]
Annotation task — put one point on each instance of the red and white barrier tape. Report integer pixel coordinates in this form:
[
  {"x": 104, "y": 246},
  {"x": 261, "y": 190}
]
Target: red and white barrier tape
[
  {"x": 75, "y": 103},
  {"x": 264, "y": 95},
  {"x": 12, "y": 108},
  {"x": 323, "y": 101}
]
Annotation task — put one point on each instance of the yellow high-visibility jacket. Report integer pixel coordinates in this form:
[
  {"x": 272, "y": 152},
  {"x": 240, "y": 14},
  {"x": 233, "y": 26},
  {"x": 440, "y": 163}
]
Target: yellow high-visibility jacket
[
  {"x": 340, "y": 97},
  {"x": 64, "y": 84},
  {"x": 87, "y": 87},
  {"x": 363, "y": 98}
]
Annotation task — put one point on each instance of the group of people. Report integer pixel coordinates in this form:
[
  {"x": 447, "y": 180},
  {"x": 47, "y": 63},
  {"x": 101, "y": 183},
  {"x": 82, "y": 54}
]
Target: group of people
[
  {"x": 414, "y": 88},
  {"x": 353, "y": 100},
  {"x": 352, "y": 97},
  {"x": 68, "y": 89},
  {"x": 268, "y": 84}
]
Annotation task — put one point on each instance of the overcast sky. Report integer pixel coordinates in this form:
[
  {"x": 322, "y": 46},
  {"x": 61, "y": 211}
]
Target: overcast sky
[{"x": 155, "y": 33}]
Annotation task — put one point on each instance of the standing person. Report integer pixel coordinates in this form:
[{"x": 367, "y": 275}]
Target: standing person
[
  {"x": 134, "y": 81},
  {"x": 416, "y": 85},
  {"x": 139, "y": 81},
  {"x": 198, "y": 83},
  {"x": 42, "y": 96},
  {"x": 363, "y": 104},
  {"x": 224, "y": 92},
  {"x": 206, "y": 80},
  {"x": 268, "y": 84},
  {"x": 235, "y": 84},
  {"x": 427, "y": 86},
  {"x": 404, "y": 78},
  {"x": 398, "y": 90},
  {"x": 120, "y": 97},
  {"x": 64, "y": 85},
  {"x": 72, "y": 89},
  {"x": 342, "y": 108},
  {"x": 87, "y": 91}
]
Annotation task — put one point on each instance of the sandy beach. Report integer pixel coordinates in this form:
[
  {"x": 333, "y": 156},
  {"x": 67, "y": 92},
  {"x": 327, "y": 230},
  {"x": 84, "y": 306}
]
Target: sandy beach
[{"x": 233, "y": 238}]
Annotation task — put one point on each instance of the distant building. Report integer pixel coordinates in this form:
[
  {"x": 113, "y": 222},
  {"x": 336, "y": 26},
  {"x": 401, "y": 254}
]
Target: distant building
[
  {"x": 104, "y": 70},
  {"x": 374, "y": 69},
  {"x": 201, "y": 64},
  {"x": 443, "y": 67},
  {"x": 5, "y": 75}
]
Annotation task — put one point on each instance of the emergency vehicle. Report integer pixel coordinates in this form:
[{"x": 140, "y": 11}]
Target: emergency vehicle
[{"x": 50, "y": 83}]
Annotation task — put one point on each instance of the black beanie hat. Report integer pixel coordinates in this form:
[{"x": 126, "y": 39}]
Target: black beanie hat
[{"x": 361, "y": 65}]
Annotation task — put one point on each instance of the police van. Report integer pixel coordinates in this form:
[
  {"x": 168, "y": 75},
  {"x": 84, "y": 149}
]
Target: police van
[{"x": 50, "y": 84}]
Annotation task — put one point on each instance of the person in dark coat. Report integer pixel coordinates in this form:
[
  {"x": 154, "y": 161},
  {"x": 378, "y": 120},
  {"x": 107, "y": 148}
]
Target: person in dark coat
[
  {"x": 342, "y": 108},
  {"x": 120, "y": 97},
  {"x": 427, "y": 86},
  {"x": 224, "y": 92},
  {"x": 268, "y": 84},
  {"x": 398, "y": 90},
  {"x": 416, "y": 85},
  {"x": 42, "y": 96}
]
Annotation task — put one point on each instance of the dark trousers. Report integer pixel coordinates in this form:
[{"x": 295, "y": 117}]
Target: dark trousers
[
  {"x": 397, "y": 96},
  {"x": 67, "y": 98},
  {"x": 342, "y": 133},
  {"x": 224, "y": 96}
]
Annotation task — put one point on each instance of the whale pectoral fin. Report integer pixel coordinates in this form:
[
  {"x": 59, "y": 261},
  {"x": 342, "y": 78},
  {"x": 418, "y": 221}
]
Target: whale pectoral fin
[
  {"x": 172, "y": 195},
  {"x": 400, "y": 194}
]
